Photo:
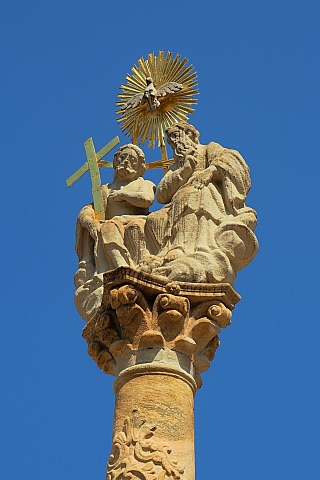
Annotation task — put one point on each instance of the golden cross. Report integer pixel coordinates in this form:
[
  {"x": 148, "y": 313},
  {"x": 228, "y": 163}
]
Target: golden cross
[{"x": 92, "y": 164}]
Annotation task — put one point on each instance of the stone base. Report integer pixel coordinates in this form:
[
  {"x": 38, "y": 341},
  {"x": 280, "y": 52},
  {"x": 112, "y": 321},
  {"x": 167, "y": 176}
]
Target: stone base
[
  {"x": 144, "y": 319},
  {"x": 153, "y": 430},
  {"x": 152, "y": 285}
]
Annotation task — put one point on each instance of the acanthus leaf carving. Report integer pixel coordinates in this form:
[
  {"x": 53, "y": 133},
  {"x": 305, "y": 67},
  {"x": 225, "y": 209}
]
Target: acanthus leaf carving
[
  {"x": 133, "y": 313},
  {"x": 184, "y": 318},
  {"x": 170, "y": 313},
  {"x": 138, "y": 454}
]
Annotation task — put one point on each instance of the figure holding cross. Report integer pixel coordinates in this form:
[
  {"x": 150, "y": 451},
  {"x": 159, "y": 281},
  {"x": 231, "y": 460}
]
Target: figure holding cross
[
  {"x": 104, "y": 245},
  {"x": 92, "y": 164}
]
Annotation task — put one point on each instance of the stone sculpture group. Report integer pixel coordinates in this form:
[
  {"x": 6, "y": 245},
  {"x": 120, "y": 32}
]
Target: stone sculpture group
[
  {"x": 156, "y": 288},
  {"x": 203, "y": 234}
]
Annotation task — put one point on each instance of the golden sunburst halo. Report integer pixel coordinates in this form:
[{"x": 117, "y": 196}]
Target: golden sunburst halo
[{"x": 144, "y": 124}]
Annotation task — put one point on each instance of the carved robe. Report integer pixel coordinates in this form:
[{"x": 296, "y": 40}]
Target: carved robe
[
  {"x": 208, "y": 227},
  {"x": 106, "y": 245}
]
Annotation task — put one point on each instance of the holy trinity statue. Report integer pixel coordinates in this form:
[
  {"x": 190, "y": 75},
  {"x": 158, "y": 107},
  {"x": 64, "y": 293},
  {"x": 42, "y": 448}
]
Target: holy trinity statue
[
  {"x": 155, "y": 286},
  {"x": 203, "y": 234},
  {"x": 103, "y": 245}
]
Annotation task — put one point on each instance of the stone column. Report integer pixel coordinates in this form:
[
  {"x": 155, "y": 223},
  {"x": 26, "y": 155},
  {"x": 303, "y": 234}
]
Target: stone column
[
  {"x": 156, "y": 399},
  {"x": 156, "y": 339}
]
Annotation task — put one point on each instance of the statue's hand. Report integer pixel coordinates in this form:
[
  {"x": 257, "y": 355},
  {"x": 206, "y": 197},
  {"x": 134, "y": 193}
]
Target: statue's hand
[
  {"x": 191, "y": 157},
  {"x": 94, "y": 228},
  {"x": 203, "y": 178},
  {"x": 190, "y": 162},
  {"x": 116, "y": 196}
]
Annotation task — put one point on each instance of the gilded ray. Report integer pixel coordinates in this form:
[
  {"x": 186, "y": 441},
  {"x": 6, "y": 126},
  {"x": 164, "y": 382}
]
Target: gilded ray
[{"x": 145, "y": 124}]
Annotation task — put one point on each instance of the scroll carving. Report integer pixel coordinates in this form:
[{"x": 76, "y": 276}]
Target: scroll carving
[
  {"x": 132, "y": 319},
  {"x": 138, "y": 454}
]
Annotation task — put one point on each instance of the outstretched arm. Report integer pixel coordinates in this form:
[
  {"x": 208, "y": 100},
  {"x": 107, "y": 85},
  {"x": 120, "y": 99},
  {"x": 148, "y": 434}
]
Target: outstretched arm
[{"x": 209, "y": 175}]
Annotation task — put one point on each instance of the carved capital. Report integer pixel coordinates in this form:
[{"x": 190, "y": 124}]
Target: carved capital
[{"x": 142, "y": 317}]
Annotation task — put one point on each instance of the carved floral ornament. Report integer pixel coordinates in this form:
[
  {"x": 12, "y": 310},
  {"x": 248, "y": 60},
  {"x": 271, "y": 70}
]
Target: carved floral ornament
[{"x": 138, "y": 455}]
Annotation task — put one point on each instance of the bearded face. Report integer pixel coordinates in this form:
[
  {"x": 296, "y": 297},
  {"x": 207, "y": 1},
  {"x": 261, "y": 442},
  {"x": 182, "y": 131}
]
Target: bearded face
[
  {"x": 127, "y": 165},
  {"x": 181, "y": 141}
]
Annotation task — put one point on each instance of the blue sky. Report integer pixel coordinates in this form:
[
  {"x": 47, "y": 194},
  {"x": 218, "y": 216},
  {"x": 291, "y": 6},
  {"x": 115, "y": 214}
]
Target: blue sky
[{"x": 257, "y": 414}]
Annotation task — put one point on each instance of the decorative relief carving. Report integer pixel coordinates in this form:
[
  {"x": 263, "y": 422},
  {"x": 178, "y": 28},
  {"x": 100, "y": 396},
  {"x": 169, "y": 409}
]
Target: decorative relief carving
[
  {"x": 138, "y": 455},
  {"x": 131, "y": 319}
]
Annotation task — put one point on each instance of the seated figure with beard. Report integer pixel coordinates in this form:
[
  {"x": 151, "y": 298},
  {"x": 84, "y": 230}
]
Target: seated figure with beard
[
  {"x": 205, "y": 232},
  {"x": 119, "y": 240}
]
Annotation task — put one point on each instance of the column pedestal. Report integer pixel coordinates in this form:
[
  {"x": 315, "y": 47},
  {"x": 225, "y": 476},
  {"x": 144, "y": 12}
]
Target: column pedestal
[
  {"x": 156, "y": 338},
  {"x": 156, "y": 402}
]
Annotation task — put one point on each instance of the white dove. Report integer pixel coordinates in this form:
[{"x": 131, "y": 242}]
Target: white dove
[{"x": 151, "y": 94}]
